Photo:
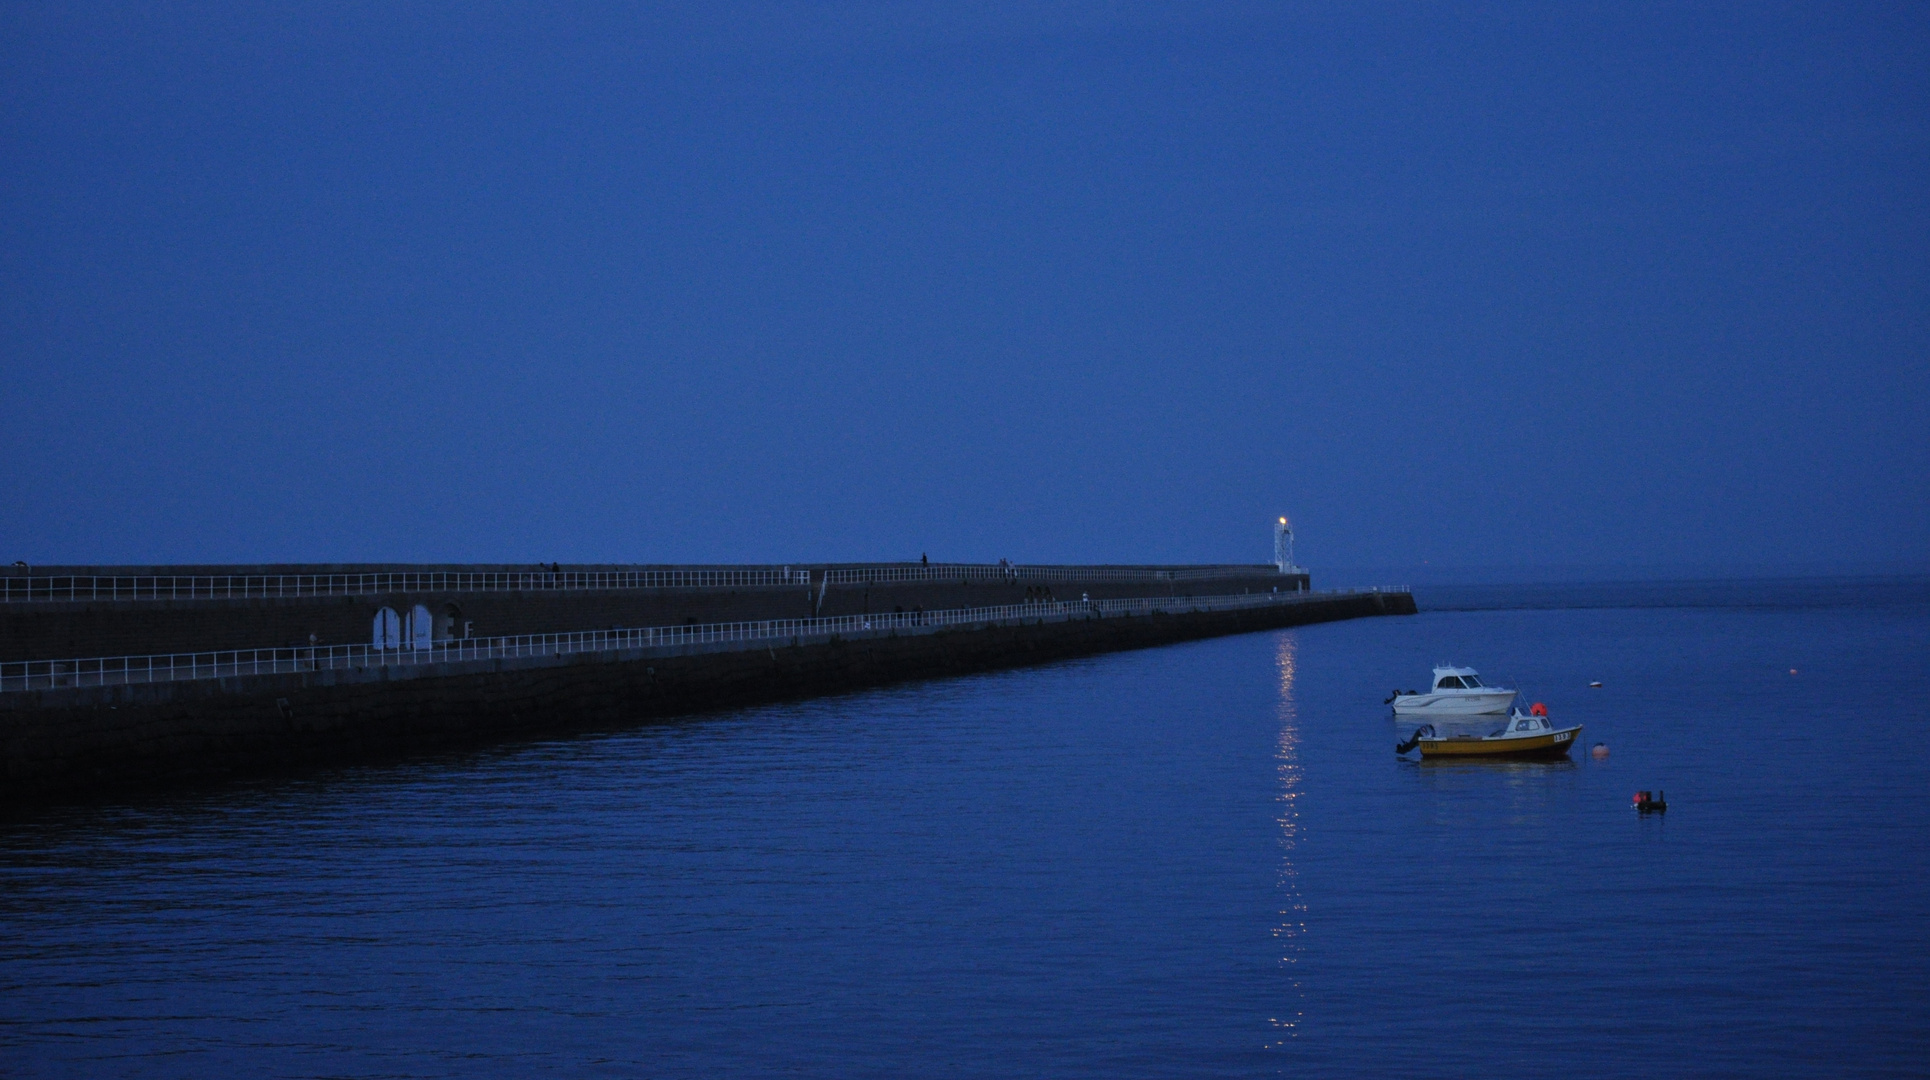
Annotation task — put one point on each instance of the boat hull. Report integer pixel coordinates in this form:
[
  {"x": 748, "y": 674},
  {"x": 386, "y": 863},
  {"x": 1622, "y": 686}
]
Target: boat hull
[
  {"x": 1462, "y": 703},
  {"x": 1542, "y": 744}
]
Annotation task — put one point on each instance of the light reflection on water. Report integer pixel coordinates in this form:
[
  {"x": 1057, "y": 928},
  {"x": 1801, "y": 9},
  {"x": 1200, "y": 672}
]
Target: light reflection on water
[{"x": 1293, "y": 908}]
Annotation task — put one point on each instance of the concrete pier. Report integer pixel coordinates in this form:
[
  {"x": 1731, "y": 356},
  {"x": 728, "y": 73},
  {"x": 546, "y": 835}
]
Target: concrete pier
[{"x": 66, "y": 727}]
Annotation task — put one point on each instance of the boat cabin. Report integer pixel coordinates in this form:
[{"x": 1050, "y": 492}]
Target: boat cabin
[
  {"x": 1521, "y": 725},
  {"x": 1456, "y": 678}
]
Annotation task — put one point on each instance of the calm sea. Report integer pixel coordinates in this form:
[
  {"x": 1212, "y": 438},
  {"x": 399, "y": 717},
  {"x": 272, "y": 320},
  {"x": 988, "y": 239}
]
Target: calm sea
[{"x": 1202, "y": 860}]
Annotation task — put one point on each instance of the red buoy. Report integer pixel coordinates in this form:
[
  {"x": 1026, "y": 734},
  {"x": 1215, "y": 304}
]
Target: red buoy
[{"x": 1537, "y": 709}]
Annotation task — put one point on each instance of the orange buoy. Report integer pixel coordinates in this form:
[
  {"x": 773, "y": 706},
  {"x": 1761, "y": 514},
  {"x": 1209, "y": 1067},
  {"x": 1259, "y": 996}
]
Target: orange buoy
[
  {"x": 1600, "y": 750},
  {"x": 1537, "y": 709}
]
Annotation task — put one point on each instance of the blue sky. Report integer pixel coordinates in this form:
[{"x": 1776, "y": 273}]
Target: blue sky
[{"x": 1530, "y": 286}]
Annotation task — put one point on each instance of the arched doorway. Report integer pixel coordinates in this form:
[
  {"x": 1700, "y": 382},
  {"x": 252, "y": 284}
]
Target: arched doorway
[
  {"x": 387, "y": 632},
  {"x": 422, "y": 628},
  {"x": 449, "y": 623}
]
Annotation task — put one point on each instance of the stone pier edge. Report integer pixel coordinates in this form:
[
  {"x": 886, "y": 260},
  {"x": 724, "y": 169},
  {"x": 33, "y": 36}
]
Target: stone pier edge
[{"x": 110, "y": 739}]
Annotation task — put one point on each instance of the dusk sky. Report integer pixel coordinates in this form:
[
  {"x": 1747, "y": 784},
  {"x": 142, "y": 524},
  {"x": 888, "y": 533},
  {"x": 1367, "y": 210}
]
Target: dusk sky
[{"x": 1531, "y": 286}]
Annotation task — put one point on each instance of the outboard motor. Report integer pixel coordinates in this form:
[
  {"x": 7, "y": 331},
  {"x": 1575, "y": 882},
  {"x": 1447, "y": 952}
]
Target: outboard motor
[{"x": 1425, "y": 731}]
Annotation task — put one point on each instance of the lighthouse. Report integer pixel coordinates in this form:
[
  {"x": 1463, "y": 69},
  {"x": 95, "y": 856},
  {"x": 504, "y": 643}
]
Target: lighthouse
[{"x": 1283, "y": 548}]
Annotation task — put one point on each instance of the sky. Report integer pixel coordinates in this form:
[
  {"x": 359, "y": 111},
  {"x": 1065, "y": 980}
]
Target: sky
[{"x": 1534, "y": 286}]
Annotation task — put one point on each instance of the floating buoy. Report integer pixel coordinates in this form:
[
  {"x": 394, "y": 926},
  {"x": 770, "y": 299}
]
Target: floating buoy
[
  {"x": 1596, "y": 685},
  {"x": 1537, "y": 709},
  {"x": 1792, "y": 671},
  {"x": 1599, "y": 750}
]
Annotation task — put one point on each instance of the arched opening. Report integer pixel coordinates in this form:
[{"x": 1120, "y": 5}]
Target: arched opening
[
  {"x": 449, "y": 625},
  {"x": 387, "y": 632},
  {"x": 422, "y": 628}
]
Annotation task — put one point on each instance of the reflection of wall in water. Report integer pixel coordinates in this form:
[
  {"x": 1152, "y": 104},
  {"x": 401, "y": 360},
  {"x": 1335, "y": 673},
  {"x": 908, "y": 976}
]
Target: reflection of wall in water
[{"x": 1292, "y": 930}]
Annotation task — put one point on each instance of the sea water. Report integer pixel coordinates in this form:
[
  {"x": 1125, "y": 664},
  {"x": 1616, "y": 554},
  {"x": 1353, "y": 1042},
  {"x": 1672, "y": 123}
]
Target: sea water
[{"x": 1200, "y": 860}]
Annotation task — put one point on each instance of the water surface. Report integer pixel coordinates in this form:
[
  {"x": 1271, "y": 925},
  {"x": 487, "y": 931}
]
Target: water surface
[{"x": 1196, "y": 860}]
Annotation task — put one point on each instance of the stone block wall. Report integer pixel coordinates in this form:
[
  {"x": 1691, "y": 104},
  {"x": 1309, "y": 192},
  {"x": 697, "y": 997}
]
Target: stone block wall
[
  {"x": 62, "y": 742},
  {"x": 91, "y": 628}
]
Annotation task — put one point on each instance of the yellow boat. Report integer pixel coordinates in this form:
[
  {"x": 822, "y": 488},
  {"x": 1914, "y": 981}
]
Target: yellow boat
[{"x": 1522, "y": 736}]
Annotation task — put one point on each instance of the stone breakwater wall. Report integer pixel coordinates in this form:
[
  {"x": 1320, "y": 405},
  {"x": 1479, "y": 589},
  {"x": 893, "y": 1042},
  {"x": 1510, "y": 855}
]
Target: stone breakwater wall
[
  {"x": 108, "y": 738},
  {"x": 55, "y": 625}
]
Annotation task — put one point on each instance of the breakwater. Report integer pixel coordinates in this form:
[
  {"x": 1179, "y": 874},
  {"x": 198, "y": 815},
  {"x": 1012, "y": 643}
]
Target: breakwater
[{"x": 111, "y": 721}]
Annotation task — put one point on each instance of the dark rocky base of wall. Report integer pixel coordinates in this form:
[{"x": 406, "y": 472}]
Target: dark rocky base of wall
[{"x": 111, "y": 740}]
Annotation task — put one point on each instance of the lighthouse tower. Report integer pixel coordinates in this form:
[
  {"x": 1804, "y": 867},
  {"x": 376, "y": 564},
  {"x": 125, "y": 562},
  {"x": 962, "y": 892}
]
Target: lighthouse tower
[{"x": 1283, "y": 548}]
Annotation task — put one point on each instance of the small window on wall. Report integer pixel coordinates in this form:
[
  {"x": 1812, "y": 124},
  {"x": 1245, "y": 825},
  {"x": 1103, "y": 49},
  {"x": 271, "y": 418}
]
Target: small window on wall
[{"x": 388, "y": 630}]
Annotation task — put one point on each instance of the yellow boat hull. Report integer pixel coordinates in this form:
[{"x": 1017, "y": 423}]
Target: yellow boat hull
[{"x": 1540, "y": 744}]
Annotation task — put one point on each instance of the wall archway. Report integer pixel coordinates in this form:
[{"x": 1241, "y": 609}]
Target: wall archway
[
  {"x": 422, "y": 628},
  {"x": 449, "y": 625},
  {"x": 386, "y": 633}
]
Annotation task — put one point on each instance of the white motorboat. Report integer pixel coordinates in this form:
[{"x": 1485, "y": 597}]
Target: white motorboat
[{"x": 1455, "y": 691}]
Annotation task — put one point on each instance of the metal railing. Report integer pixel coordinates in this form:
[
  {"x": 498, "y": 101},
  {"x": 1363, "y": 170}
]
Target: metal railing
[
  {"x": 992, "y": 572},
  {"x": 249, "y": 586},
  {"x": 257, "y": 586},
  {"x": 20, "y": 676}
]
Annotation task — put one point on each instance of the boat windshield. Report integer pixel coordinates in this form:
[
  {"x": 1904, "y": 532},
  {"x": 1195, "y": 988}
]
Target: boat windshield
[
  {"x": 1470, "y": 681},
  {"x": 1528, "y": 723}
]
